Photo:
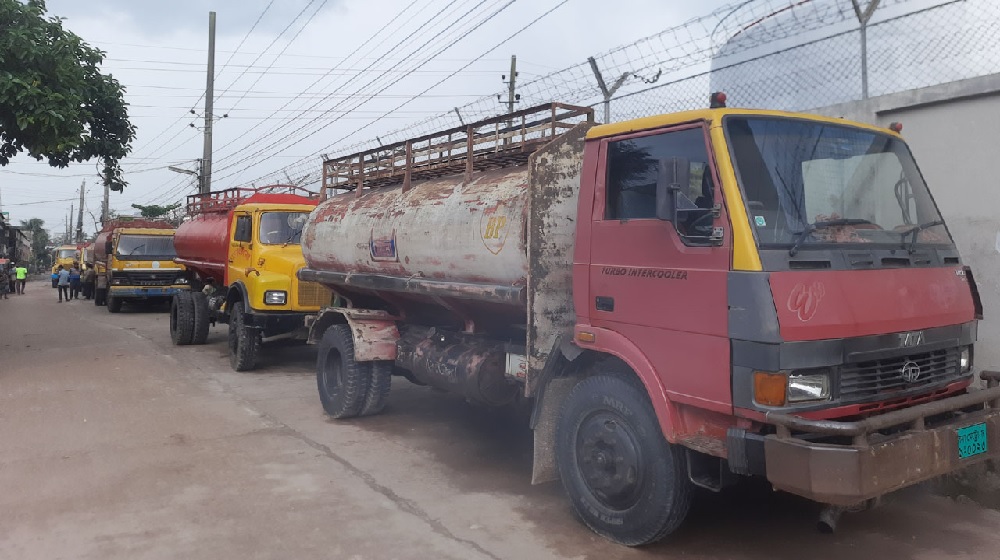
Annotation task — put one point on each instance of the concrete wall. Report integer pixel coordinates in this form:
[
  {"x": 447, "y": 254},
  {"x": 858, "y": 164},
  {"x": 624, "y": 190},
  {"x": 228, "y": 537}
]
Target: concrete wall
[{"x": 954, "y": 132}]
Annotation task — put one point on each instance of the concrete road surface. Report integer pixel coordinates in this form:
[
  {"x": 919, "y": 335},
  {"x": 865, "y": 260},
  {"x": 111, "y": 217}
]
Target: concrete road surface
[{"x": 115, "y": 444}]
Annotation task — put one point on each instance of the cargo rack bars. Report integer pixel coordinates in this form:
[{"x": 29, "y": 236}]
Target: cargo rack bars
[
  {"x": 225, "y": 200},
  {"x": 501, "y": 141}
]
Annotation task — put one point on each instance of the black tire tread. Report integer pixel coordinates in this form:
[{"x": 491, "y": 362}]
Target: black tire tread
[
  {"x": 247, "y": 341},
  {"x": 378, "y": 389},
  {"x": 202, "y": 317},
  {"x": 181, "y": 319},
  {"x": 114, "y": 304},
  {"x": 348, "y": 397}
]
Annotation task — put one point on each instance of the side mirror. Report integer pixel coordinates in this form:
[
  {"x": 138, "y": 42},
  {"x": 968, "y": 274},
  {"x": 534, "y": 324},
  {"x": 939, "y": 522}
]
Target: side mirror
[{"x": 672, "y": 174}]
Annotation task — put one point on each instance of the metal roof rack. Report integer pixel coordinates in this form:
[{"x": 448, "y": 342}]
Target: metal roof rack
[
  {"x": 501, "y": 141},
  {"x": 226, "y": 200}
]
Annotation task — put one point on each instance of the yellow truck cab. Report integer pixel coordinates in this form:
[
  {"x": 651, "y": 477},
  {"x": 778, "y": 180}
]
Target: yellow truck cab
[
  {"x": 141, "y": 266},
  {"x": 64, "y": 256},
  {"x": 246, "y": 244}
]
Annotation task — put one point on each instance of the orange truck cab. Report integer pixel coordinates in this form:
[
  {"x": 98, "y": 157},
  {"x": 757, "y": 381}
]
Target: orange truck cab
[{"x": 688, "y": 299}]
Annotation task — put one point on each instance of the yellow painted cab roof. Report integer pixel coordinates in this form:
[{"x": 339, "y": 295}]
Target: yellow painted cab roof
[{"x": 713, "y": 116}]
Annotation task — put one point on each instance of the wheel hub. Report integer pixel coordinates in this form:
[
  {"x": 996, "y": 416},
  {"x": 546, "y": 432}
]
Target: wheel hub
[{"x": 609, "y": 459}]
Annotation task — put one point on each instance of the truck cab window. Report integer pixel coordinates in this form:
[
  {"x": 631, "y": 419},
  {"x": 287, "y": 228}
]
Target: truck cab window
[
  {"x": 632, "y": 172},
  {"x": 243, "y": 230}
]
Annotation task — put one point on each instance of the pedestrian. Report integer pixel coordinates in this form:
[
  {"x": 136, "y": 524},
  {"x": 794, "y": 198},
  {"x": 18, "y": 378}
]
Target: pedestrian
[
  {"x": 55, "y": 278},
  {"x": 4, "y": 284},
  {"x": 89, "y": 279},
  {"x": 63, "y": 283},
  {"x": 21, "y": 275},
  {"x": 11, "y": 283},
  {"x": 74, "y": 282}
]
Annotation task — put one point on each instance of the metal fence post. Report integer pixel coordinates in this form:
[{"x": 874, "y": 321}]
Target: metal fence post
[
  {"x": 608, "y": 93},
  {"x": 863, "y": 18}
]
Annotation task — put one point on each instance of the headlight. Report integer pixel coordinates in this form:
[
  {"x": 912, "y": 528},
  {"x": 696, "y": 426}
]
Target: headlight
[
  {"x": 181, "y": 280},
  {"x": 811, "y": 387},
  {"x": 275, "y": 297},
  {"x": 965, "y": 360}
]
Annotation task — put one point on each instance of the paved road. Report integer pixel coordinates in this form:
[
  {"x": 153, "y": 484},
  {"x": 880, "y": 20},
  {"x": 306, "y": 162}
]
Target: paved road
[{"x": 114, "y": 444}]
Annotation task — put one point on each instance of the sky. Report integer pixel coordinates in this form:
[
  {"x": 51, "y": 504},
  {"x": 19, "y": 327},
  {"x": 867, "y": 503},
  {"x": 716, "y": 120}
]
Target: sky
[{"x": 297, "y": 78}]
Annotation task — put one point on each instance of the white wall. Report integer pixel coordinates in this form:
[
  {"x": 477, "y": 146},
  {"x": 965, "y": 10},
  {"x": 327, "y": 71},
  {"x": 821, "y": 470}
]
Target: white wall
[{"x": 954, "y": 133}]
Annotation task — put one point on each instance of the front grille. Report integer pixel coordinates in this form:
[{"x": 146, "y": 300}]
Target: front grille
[
  {"x": 312, "y": 294},
  {"x": 149, "y": 278},
  {"x": 865, "y": 379}
]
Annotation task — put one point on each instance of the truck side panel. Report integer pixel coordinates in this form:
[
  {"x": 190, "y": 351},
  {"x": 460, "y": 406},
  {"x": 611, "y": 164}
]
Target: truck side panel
[{"x": 554, "y": 179}]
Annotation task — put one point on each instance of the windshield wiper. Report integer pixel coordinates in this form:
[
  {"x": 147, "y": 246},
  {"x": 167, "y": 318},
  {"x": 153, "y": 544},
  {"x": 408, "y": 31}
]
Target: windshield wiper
[
  {"x": 915, "y": 230},
  {"x": 821, "y": 225},
  {"x": 137, "y": 247}
]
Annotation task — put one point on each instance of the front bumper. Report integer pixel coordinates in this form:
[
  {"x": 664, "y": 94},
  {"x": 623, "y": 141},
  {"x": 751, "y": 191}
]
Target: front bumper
[
  {"x": 923, "y": 444},
  {"x": 145, "y": 291}
]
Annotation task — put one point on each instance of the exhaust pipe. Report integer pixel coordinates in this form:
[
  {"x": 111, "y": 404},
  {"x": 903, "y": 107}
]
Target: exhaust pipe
[{"x": 828, "y": 517}]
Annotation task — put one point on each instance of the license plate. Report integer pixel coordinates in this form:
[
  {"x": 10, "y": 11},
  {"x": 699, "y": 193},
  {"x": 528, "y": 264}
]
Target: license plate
[{"x": 971, "y": 441}]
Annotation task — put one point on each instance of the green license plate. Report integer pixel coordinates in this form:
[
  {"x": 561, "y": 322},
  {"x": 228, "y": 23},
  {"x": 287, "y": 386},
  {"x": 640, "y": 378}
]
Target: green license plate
[{"x": 971, "y": 441}]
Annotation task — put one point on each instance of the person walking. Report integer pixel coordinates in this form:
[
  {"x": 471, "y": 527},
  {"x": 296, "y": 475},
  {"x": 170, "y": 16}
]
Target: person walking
[
  {"x": 21, "y": 276},
  {"x": 11, "y": 284},
  {"x": 4, "y": 284},
  {"x": 89, "y": 279},
  {"x": 74, "y": 282},
  {"x": 63, "y": 283}
]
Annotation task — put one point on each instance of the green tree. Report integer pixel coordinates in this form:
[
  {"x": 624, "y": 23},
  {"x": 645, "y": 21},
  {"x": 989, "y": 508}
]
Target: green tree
[
  {"x": 54, "y": 102},
  {"x": 155, "y": 210},
  {"x": 35, "y": 227}
]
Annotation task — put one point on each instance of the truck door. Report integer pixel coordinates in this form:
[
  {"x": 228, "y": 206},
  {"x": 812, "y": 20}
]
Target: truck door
[
  {"x": 650, "y": 280},
  {"x": 240, "y": 248}
]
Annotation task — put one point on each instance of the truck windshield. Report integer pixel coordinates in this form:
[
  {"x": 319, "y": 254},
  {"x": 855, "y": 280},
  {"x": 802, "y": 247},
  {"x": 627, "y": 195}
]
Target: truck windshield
[
  {"x": 808, "y": 182},
  {"x": 280, "y": 228},
  {"x": 66, "y": 254},
  {"x": 146, "y": 247}
]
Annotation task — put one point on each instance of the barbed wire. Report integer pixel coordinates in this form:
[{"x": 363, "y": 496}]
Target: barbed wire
[{"x": 776, "y": 54}]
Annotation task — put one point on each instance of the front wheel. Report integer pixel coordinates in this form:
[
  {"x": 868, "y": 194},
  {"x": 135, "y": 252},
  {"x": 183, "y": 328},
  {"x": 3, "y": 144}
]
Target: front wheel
[
  {"x": 625, "y": 480},
  {"x": 244, "y": 341},
  {"x": 114, "y": 304}
]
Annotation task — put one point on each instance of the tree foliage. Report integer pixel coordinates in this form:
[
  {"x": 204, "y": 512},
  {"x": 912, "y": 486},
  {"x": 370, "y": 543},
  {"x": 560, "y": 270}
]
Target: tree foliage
[
  {"x": 54, "y": 102},
  {"x": 155, "y": 210},
  {"x": 39, "y": 237}
]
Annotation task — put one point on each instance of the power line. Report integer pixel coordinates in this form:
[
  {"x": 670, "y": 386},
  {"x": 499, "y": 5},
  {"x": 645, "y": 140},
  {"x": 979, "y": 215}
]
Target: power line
[{"x": 300, "y": 130}]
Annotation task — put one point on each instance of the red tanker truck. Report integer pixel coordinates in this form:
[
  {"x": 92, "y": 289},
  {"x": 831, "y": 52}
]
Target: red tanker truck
[
  {"x": 688, "y": 299},
  {"x": 247, "y": 242}
]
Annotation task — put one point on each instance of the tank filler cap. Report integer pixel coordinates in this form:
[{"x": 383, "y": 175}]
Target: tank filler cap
[{"x": 717, "y": 100}]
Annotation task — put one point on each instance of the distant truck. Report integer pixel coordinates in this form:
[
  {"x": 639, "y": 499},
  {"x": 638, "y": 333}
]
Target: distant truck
[
  {"x": 687, "y": 299},
  {"x": 102, "y": 249},
  {"x": 247, "y": 241},
  {"x": 139, "y": 266},
  {"x": 65, "y": 256}
]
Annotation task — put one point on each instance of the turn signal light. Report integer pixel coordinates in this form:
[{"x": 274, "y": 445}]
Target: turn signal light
[
  {"x": 585, "y": 336},
  {"x": 769, "y": 389},
  {"x": 718, "y": 100}
]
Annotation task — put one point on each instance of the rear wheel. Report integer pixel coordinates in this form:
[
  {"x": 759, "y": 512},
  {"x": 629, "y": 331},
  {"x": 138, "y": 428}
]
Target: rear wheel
[
  {"x": 378, "y": 388},
  {"x": 244, "y": 341},
  {"x": 626, "y": 482},
  {"x": 343, "y": 383},
  {"x": 181, "y": 319},
  {"x": 202, "y": 317},
  {"x": 114, "y": 304}
]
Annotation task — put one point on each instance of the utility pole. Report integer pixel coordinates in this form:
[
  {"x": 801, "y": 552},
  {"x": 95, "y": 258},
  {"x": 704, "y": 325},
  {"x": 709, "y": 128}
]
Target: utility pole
[
  {"x": 511, "y": 96},
  {"x": 206, "y": 158},
  {"x": 79, "y": 216},
  {"x": 69, "y": 225},
  {"x": 105, "y": 205}
]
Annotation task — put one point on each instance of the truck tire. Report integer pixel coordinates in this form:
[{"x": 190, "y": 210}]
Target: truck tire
[
  {"x": 378, "y": 388},
  {"x": 342, "y": 382},
  {"x": 244, "y": 341},
  {"x": 181, "y": 319},
  {"x": 114, "y": 304},
  {"x": 100, "y": 297},
  {"x": 626, "y": 482},
  {"x": 202, "y": 317}
]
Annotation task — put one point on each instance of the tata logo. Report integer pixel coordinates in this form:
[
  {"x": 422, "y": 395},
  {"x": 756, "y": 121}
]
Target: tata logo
[
  {"x": 804, "y": 300},
  {"x": 911, "y": 339},
  {"x": 910, "y": 372}
]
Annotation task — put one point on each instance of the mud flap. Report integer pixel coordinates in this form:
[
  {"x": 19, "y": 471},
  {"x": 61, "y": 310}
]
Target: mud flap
[{"x": 544, "y": 421}]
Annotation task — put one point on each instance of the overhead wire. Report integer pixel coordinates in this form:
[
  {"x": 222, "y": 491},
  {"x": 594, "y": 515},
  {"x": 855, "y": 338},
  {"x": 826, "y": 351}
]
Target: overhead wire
[{"x": 367, "y": 96}]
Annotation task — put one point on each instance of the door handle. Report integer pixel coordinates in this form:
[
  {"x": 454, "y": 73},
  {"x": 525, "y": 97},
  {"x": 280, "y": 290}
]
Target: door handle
[
  {"x": 231, "y": 261},
  {"x": 604, "y": 303}
]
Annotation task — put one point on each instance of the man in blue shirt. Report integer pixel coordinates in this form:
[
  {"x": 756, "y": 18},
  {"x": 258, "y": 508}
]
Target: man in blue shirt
[{"x": 63, "y": 283}]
